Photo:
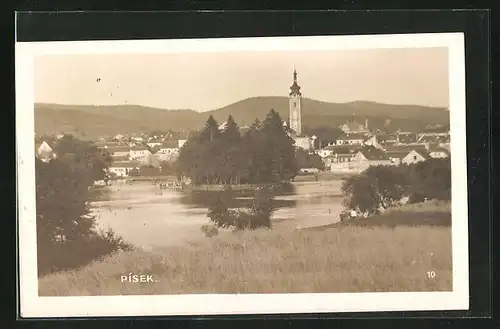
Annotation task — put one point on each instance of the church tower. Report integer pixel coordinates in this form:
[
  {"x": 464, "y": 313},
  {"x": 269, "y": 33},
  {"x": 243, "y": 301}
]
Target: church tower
[{"x": 295, "y": 105}]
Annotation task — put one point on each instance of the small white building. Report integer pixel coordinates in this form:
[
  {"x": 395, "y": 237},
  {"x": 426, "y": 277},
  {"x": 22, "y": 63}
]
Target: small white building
[
  {"x": 45, "y": 152},
  {"x": 323, "y": 153},
  {"x": 169, "y": 147},
  {"x": 308, "y": 170},
  {"x": 372, "y": 141},
  {"x": 303, "y": 143},
  {"x": 415, "y": 156},
  {"x": 181, "y": 142},
  {"x": 139, "y": 153},
  {"x": 117, "y": 151},
  {"x": 351, "y": 139},
  {"x": 154, "y": 144},
  {"x": 438, "y": 152}
]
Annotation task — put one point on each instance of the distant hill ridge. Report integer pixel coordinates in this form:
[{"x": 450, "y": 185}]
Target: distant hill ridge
[{"x": 89, "y": 121}]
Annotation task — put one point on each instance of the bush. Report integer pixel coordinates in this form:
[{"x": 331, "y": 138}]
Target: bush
[
  {"x": 382, "y": 187},
  {"x": 431, "y": 180},
  {"x": 66, "y": 233},
  {"x": 256, "y": 215},
  {"x": 209, "y": 230}
]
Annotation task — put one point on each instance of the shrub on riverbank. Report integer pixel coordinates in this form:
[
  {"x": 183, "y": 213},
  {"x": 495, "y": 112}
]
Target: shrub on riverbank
[
  {"x": 381, "y": 187},
  {"x": 66, "y": 233},
  {"x": 256, "y": 215},
  {"x": 347, "y": 259}
]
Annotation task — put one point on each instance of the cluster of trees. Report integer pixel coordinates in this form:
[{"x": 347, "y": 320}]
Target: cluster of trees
[
  {"x": 256, "y": 215},
  {"x": 265, "y": 154},
  {"x": 325, "y": 134},
  {"x": 305, "y": 159},
  {"x": 381, "y": 187},
  {"x": 66, "y": 230}
]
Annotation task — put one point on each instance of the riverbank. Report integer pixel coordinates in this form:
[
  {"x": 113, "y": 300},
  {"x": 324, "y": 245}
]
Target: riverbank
[{"x": 341, "y": 258}]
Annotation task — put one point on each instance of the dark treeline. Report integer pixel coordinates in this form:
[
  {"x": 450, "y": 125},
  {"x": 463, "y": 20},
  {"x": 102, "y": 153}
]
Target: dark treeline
[
  {"x": 66, "y": 232},
  {"x": 382, "y": 187},
  {"x": 264, "y": 154}
]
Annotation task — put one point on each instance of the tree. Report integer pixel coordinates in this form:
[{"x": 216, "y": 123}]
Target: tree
[
  {"x": 265, "y": 154},
  {"x": 66, "y": 232},
  {"x": 84, "y": 157},
  {"x": 231, "y": 159},
  {"x": 210, "y": 132},
  {"x": 382, "y": 187},
  {"x": 431, "y": 179},
  {"x": 306, "y": 160},
  {"x": 280, "y": 149}
]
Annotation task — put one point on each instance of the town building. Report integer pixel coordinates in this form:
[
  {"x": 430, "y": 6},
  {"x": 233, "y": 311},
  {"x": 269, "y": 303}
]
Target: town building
[
  {"x": 295, "y": 106},
  {"x": 139, "y": 152},
  {"x": 373, "y": 141},
  {"x": 370, "y": 156},
  {"x": 168, "y": 151},
  {"x": 438, "y": 152},
  {"x": 123, "y": 169},
  {"x": 352, "y": 127},
  {"x": 117, "y": 151},
  {"x": 415, "y": 156},
  {"x": 44, "y": 151},
  {"x": 351, "y": 139}
]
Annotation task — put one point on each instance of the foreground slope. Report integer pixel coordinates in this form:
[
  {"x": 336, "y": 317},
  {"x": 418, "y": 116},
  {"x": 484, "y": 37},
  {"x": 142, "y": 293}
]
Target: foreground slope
[{"x": 345, "y": 258}]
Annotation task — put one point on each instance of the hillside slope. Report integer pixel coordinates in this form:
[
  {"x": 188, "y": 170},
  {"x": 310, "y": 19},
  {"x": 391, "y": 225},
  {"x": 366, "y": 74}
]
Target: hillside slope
[{"x": 94, "y": 121}]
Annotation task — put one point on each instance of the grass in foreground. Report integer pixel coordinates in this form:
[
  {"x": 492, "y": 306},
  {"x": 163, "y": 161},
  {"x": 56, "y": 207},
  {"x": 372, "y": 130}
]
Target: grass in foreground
[{"x": 347, "y": 259}]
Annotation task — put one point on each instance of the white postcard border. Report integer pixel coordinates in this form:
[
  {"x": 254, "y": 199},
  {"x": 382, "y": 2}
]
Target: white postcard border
[{"x": 31, "y": 305}]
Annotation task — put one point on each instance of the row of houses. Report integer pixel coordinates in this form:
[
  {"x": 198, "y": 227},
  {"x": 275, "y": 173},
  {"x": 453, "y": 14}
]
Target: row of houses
[
  {"x": 392, "y": 139},
  {"x": 127, "y": 158},
  {"x": 359, "y": 158}
]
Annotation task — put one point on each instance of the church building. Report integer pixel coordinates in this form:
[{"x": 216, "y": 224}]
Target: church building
[{"x": 295, "y": 115}]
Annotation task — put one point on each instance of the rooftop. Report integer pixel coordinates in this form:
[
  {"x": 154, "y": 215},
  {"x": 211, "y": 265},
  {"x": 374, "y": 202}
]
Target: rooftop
[{"x": 373, "y": 153}]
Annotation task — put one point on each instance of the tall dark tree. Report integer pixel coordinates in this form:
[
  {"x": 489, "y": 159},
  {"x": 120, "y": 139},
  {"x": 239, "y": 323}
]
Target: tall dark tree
[
  {"x": 280, "y": 150},
  {"x": 230, "y": 157},
  {"x": 210, "y": 131}
]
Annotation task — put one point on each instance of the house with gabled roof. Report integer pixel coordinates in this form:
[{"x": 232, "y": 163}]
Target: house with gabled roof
[
  {"x": 370, "y": 156},
  {"x": 373, "y": 141},
  {"x": 416, "y": 156},
  {"x": 398, "y": 152},
  {"x": 44, "y": 151},
  {"x": 168, "y": 151}
]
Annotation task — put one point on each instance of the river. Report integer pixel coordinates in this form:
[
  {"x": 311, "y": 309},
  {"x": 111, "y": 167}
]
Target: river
[{"x": 147, "y": 219}]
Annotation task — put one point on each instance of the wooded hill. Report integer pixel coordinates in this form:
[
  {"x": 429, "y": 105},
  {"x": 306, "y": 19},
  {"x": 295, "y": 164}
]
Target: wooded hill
[{"x": 90, "y": 122}]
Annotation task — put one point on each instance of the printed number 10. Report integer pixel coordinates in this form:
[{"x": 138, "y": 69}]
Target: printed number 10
[{"x": 431, "y": 274}]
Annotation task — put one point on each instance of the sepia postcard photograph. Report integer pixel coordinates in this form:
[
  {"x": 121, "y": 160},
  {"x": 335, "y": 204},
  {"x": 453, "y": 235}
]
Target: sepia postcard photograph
[{"x": 242, "y": 175}]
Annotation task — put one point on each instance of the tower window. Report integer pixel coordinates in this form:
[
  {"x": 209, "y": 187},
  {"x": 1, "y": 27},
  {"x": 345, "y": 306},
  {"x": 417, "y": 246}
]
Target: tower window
[{"x": 294, "y": 104}]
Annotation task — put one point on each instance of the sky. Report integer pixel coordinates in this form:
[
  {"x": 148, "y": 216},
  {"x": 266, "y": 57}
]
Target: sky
[{"x": 207, "y": 81}]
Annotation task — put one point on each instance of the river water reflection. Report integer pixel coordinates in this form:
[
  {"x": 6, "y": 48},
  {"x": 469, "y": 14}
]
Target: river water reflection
[{"x": 146, "y": 218}]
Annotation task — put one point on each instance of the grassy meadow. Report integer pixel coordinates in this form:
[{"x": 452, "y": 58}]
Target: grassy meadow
[{"x": 391, "y": 252}]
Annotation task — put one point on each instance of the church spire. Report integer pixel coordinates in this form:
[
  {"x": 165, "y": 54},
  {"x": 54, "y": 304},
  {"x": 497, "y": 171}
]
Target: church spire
[{"x": 295, "y": 88}]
